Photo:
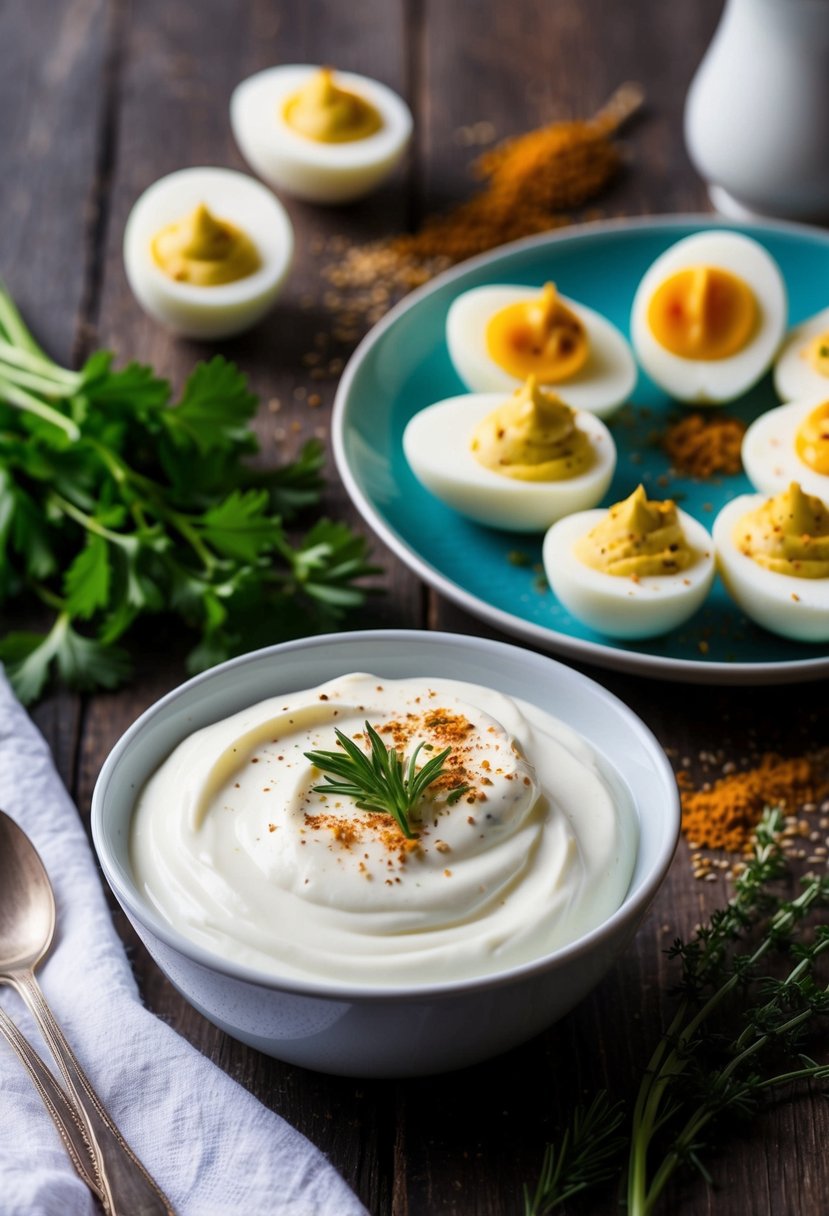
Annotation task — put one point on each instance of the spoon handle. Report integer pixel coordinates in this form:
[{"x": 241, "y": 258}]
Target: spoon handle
[
  {"x": 128, "y": 1188},
  {"x": 65, "y": 1117}
]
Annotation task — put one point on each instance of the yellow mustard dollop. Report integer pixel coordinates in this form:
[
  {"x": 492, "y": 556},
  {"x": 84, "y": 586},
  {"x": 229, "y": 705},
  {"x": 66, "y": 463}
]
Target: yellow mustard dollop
[
  {"x": 788, "y": 534},
  {"x": 817, "y": 352},
  {"x": 811, "y": 440},
  {"x": 204, "y": 251},
  {"x": 637, "y": 538},
  {"x": 322, "y": 111},
  {"x": 703, "y": 312},
  {"x": 533, "y": 437},
  {"x": 540, "y": 337}
]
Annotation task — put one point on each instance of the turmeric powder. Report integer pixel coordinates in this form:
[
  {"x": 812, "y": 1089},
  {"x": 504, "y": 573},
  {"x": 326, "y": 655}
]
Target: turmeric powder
[{"x": 725, "y": 814}]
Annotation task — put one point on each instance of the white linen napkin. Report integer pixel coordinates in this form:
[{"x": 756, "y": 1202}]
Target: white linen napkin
[{"x": 212, "y": 1147}]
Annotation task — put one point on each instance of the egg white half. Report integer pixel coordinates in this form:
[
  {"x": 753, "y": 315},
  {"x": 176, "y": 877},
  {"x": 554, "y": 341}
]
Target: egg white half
[
  {"x": 769, "y": 455},
  {"x": 713, "y": 380},
  {"x": 436, "y": 443},
  {"x": 624, "y": 607},
  {"x": 307, "y": 168},
  {"x": 796, "y": 608},
  {"x": 228, "y": 308},
  {"x": 794, "y": 376},
  {"x": 601, "y": 386}
]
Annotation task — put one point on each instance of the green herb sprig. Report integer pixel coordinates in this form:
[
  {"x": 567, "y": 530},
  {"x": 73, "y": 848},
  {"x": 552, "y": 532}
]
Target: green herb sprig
[
  {"x": 116, "y": 502},
  {"x": 381, "y": 780},
  {"x": 737, "y": 1037}
]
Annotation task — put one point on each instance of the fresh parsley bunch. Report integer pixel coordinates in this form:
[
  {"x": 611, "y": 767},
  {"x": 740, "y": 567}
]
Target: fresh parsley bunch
[{"x": 116, "y": 503}]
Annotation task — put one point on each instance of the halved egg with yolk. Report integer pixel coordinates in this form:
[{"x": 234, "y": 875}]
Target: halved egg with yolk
[
  {"x": 516, "y": 464},
  {"x": 499, "y": 335},
  {"x": 708, "y": 317}
]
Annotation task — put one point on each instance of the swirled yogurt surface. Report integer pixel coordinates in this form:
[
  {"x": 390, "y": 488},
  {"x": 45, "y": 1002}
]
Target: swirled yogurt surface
[{"x": 233, "y": 847}]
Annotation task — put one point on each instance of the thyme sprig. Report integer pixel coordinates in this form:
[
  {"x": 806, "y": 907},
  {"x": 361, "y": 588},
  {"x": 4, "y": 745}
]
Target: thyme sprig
[
  {"x": 737, "y": 1037},
  {"x": 381, "y": 780}
]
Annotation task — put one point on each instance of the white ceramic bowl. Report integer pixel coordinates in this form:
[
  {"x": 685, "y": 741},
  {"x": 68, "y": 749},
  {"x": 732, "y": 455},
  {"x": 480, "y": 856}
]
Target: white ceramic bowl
[
  {"x": 226, "y": 309},
  {"x": 392, "y": 1031}
]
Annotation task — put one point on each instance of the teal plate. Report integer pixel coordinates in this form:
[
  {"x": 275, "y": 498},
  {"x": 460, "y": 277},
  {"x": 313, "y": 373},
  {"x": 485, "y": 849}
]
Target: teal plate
[{"x": 403, "y": 365}]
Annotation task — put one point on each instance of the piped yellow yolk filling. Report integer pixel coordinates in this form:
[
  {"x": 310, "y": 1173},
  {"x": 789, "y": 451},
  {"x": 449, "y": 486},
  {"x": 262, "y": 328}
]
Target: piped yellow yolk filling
[
  {"x": 533, "y": 437},
  {"x": 204, "y": 251},
  {"x": 539, "y": 337},
  {"x": 812, "y": 439},
  {"x": 703, "y": 312},
  {"x": 324, "y": 112},
  {"x": 788, "y": 534},
  {"x": 637, "y": 538}
]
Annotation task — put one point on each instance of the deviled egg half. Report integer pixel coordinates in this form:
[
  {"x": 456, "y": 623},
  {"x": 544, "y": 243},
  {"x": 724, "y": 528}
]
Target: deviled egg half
[
  {"x": 206, "y": 251},
  {"x": 773, "y": 557},
  {"x": 637, "y": 570},
  {"x": 708, "y": 317},
  {"x": 802, "y": 367},
  {"x": 790, "y": 443},
  {"x": 517, "y": 464},
  {"x": 323, "y": 136},
  {"x": 499, "y": 335}
]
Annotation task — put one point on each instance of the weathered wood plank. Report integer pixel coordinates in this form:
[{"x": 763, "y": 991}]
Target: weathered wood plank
[{"x": 50, "y": 116}]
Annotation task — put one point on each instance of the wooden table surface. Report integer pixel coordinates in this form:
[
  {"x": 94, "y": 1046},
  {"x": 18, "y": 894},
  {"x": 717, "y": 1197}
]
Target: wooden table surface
[{"x": 97, "y": 99}]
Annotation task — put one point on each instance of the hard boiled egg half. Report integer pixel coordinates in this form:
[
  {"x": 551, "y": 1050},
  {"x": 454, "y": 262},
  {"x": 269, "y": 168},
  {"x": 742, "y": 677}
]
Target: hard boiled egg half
[
  {"x": 790, "y": 443},
  {"x": 517, "y": 464},
  {"x": 499, "y": 335},
  {"x": 708, "y": 317},
  {"x": 802, "y": 367},
  {"x": 324, "y": 136},
  {"x": 773, "y": 557},
  {"x": 206, "y": 251},
  {"x": 637, "y": 570}
]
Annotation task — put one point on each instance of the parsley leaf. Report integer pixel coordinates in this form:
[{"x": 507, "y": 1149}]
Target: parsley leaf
[{"x": 116, "y": 503}]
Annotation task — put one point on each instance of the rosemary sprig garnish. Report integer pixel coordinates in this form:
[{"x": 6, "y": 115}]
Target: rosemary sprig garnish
[
  {"x": 381, "y": 780},
  {"x": 587, "y": 1154}
]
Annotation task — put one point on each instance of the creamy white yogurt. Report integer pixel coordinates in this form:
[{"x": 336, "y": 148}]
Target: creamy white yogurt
[{"x": 232, "y": 846}]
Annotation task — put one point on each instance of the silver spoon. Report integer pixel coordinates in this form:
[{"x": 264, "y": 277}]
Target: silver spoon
[
  {"x": 65, "y": 1116},
  {"x": 27, "y": 925}
]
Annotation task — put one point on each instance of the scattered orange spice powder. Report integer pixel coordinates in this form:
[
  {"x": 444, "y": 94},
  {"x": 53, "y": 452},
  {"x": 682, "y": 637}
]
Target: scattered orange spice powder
[
  {"x": 529, "y": 182},
  {"x": 702, "y": 446},
  {"x": 725, "y": 814}
]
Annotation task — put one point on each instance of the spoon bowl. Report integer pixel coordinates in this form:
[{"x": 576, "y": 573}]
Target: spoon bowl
[{"x": 27, "y": 903}]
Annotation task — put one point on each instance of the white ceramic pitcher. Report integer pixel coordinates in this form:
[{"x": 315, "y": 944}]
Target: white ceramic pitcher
[{"x": 757, "y": 113}]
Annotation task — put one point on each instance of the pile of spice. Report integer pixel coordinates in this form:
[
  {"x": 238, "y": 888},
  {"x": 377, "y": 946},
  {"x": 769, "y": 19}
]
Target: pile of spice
[
  {"x": 702, "y": 446},
  {"x": 723, "y": 814},
  {"x": 529, "y": 183}
]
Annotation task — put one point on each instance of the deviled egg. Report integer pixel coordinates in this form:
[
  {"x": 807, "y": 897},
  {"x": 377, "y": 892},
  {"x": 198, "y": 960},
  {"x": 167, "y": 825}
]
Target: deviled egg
[
  {"x": 206, "y": 251},
  {"x": 324, "y": 136},
  {"x": 634, "y": 571},
  {"x": 790, "y": 443},
  {"x": 708, "y": 317},
  {"x": 517, "y": 464},
  {"x": 802, "y": 367},
  {"x": 773, "y": 557},
  {"x": 499, "y": 335}
]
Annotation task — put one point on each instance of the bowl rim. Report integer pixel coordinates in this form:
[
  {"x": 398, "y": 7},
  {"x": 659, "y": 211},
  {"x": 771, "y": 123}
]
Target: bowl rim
[{"x": 631, "y": 910}]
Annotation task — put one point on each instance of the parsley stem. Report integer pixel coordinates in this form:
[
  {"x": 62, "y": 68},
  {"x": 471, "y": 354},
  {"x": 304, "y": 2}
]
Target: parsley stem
[
  {"x": 49, "y": 372},
  {"x": 90, "y": 524},
  {"x": 14, "y": 326},
  {"x": 23, "y": 400}
]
